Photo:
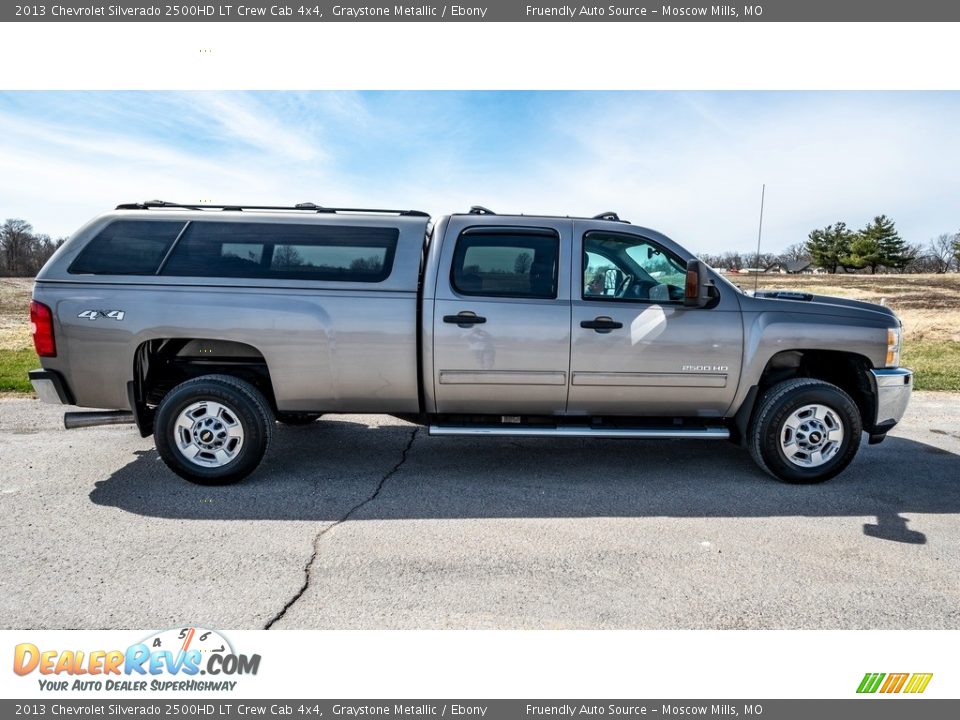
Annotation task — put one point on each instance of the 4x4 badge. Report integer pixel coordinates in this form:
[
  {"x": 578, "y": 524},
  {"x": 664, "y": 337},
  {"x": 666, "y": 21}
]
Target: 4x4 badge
[{"x": 94, "y": 314}]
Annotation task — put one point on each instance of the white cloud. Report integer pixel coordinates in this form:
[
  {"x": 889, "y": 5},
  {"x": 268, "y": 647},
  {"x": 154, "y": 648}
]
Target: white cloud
[
  {"x": 239, "y": 118},
  {"x": 57, "y": 176}
]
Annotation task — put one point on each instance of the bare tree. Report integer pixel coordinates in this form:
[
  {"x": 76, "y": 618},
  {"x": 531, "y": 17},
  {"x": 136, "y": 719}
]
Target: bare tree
[
  {"x": 287, "y": 256},
  {"x": 711, "y": 260},
  {"x": 521, "y": 266},
  {"x": 16, "y": 241},
  {"x": 765, "y": 261},
  {"x": 921, "y": 261},
  {"x": 731, "y": 260},
  {"x": 794, "y": 253},
  {"x": 373, "y": 263},
  {"x": 940, "y": 250},
  {"x": 913, "y": 255}
]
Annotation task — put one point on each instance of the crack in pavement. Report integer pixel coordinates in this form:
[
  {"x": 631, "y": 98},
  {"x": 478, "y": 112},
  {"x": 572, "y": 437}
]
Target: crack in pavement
[{"x": 308, "y": 568}]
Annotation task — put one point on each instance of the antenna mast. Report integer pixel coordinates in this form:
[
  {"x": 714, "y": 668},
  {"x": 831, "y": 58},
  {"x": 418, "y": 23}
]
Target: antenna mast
[{"x": 756, "y": 278}]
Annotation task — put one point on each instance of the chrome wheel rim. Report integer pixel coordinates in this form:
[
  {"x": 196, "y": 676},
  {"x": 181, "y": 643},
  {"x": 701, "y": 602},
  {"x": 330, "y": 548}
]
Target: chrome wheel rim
[
  {"x": 811, "y": 436},
  {"x": 208, "y": 434}
]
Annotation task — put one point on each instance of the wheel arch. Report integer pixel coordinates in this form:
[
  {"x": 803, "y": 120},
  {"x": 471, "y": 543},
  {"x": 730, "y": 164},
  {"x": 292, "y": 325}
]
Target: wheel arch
[
  {"x": 847, "y": 370},
  {"x": 162, "y": 363}
]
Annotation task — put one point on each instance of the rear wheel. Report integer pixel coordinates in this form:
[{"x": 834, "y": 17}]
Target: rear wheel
[
  {"x": 804, "y": 431},
  {"x": 213, "y": 430}
]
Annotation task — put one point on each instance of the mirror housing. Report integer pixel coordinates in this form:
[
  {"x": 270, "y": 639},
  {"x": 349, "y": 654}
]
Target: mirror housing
[{"x": 698, "y": 290}]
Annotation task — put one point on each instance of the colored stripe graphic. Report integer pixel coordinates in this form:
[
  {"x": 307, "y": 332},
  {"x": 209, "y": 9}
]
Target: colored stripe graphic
[
  {"x": 918, "y": 683},
  {"x": 894, "y": 683},
  {"x": 870, "y": 682}
]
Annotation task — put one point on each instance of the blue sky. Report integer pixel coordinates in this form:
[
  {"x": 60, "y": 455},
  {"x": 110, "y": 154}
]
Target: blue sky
[{"x": 688, "y": 164}]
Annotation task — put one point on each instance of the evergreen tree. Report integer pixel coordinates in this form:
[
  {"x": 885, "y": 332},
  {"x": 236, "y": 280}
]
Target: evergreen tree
[
  {"x": 828, "y": 245},
  {"x": 894, "y": 252},
  {"x": 864, "y": 251}
]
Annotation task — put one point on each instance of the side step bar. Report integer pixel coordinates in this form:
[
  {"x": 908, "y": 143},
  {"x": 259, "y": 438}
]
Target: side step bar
[
  {"x": 582, "y": 431},
  {"x": 73, "y": 420}
]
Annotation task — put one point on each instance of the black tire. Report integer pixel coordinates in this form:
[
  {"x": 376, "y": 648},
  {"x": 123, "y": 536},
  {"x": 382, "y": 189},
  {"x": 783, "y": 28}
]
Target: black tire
[
  {"x": 775, "y": 407},
  {"x": 297, "y": 418},
  {"x": 247, "y": 406}
]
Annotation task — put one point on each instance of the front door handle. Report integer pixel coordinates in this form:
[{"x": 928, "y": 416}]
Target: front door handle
[
  {"x": 464, "y": 319},
  {"x": 601, "y": 324}
]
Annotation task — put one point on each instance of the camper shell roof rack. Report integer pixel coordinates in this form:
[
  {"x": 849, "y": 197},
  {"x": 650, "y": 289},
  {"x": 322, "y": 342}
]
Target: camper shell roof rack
[
  {"x": 609, "y": 215},
  {"x": 302, "y": 207}
]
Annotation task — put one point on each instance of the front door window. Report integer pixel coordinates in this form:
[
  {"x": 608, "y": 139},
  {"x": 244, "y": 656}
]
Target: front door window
[{"x": 628, "y": 267}]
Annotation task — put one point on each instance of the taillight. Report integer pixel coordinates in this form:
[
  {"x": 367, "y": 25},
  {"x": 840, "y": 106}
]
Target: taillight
[{"x": 41, "y": 322}]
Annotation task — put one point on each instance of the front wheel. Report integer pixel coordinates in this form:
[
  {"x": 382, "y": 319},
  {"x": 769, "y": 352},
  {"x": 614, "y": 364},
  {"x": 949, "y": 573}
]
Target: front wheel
[
  {"x": 804, "y": 431},
  {"x": 213, "y": 430}
]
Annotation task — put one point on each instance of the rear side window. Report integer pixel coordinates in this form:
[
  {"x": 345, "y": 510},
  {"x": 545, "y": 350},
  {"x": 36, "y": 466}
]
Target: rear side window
[
  {"x": 506, "y": 264},
  {"x": 127, "y": 247},
  {"x": 284, "y": 251}
]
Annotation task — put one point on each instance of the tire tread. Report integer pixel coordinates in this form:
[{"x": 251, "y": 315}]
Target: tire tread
[
  {"x": 769, "y": 403},
  {"x": 259, "y": 405}
]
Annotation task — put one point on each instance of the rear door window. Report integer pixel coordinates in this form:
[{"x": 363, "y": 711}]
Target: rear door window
[
  {"x": 127, "y": 247},
  {"x": 506, "y": 264},
  {"x": 284, "y": 251}
]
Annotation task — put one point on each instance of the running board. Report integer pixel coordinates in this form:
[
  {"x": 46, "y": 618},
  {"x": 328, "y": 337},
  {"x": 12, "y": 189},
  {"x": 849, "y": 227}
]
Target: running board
[{"x": 582, "y": 431}]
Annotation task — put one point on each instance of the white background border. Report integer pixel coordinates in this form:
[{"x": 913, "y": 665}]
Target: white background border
[
  {"x": 498, "y": 56},
  {"x": 675, "y": 56}
]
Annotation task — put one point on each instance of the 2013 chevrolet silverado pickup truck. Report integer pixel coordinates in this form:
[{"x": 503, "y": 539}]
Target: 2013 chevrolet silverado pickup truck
[{"x": 206, "y": 324}]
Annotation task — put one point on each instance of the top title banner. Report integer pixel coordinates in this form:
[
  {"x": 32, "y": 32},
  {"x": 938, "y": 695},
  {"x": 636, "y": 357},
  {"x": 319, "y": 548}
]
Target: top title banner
[{"x": 490, "y": 11}]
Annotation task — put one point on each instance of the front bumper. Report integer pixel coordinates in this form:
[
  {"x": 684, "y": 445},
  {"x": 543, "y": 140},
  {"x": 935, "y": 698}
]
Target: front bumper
[
  {"x": 893, "y": 387},
  {"x": 50, "y": 387}
]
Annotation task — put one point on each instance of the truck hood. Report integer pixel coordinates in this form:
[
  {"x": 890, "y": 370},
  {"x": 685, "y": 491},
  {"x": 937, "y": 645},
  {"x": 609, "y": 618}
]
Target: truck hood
[{"x": 791, "y": 300}]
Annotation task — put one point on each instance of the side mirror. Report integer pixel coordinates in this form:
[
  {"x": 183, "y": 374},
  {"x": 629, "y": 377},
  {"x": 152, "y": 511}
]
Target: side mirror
[{"x": 698, "y": 289}]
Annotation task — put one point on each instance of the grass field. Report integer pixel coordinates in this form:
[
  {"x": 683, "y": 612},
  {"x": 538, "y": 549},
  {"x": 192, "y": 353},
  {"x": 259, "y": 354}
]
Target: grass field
[
  {"x": 929, "y": 306},
  {"x": 14, "y": 365},
  {"x": 16, "y": 346}
]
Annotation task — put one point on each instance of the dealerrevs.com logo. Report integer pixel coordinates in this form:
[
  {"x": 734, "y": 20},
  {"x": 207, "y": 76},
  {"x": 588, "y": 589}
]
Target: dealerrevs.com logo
[
  {"x": 169, "y": 660},
  {"x": 910, "y": 683}
]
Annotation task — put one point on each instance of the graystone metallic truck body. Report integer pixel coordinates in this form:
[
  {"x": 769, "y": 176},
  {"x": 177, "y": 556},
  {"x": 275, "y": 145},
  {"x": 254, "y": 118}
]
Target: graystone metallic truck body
[{"x": 652, "y": 356}]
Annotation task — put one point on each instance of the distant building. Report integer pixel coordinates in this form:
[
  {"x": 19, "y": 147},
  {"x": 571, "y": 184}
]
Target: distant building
[{"x": 795, "y": 267}]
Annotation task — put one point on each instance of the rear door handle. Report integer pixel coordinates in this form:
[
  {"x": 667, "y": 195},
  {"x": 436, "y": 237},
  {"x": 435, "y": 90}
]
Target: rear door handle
[
  {"x": 463, "y": 319},
  {"x": 601, "y": 324}
]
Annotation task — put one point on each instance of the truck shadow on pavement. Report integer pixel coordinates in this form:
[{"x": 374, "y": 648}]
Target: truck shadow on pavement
[{"x": 337, "y": 470}]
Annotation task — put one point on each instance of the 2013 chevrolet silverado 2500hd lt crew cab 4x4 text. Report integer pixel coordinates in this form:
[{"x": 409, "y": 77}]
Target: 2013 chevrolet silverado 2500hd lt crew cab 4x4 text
[{"x": 207, "y": 324}]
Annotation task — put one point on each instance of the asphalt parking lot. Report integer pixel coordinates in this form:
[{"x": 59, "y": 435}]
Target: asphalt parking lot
[{"x": 367, "y": 522}]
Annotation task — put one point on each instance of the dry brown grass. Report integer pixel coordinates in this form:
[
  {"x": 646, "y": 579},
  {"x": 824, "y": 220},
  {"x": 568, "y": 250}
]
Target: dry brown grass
[
  {"x": 15, "y": 313},
  {"x": 929, "y": 305}
]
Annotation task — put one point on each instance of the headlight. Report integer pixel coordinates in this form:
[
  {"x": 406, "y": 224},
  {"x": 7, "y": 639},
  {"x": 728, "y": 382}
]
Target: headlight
[{"x": 893, "y": 347}]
